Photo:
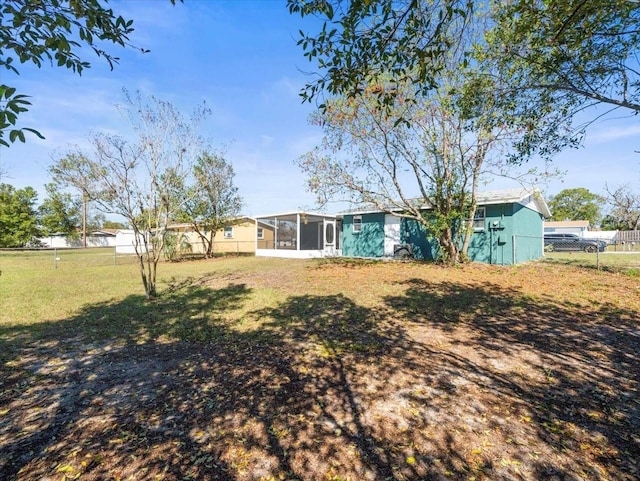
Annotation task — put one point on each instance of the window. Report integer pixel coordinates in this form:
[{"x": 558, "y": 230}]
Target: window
[
  {"x": 260, "y": 233},
  {"x": 228, "y": 232},
  {"x": 357, "y": 223},
  {"x": 479, "y": 218}
]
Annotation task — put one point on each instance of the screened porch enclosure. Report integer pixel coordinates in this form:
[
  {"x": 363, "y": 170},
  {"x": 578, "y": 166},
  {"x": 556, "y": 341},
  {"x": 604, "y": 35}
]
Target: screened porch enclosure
[{"x": 298, "y": 234}]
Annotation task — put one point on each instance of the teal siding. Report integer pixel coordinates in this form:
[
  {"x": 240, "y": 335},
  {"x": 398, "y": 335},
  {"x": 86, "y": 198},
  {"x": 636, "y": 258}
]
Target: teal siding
[
  {"x": 369, "y": 242},
  {"x": 425, "y": 247},
  {"x": 495, "y": 245},
  {"x": 528, "y": 232},
  {"x": 492, "y": 245}
]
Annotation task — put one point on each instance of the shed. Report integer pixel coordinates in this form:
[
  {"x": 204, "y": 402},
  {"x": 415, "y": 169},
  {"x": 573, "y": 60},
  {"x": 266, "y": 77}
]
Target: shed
[
  {"x": 508, "y": 229},
  {"x": 125, "y": 241}
]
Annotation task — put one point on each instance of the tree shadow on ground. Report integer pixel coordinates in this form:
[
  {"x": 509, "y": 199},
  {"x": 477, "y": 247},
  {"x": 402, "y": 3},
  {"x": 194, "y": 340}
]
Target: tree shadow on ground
[
  {"x": 320, "y": 387},
  {"x": 73, "y": 393},
  {"x": 584, "y": 398},
  {"x": 112, "y": 393},
  {"x": 330, "y": 334}
]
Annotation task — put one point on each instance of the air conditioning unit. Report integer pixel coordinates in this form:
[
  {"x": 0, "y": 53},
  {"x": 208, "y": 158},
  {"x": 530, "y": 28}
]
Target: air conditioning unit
[{"x": 402, "y": 251}]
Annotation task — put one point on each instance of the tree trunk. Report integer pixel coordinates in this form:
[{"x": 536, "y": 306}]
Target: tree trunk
[
  {"x": 84, "y": 220},
  {"x": 451, "y": 250},
  {"x": 212, "y": 236}
]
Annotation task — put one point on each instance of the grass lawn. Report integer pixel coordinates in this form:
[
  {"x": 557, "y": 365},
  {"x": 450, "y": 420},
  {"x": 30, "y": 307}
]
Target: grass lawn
[
  {"x": 612, "y": 261},
  {"x": 272, "y": 369}
]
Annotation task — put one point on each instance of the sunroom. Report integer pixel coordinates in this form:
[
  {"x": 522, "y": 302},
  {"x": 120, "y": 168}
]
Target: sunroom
[{"x": 298, "y": 235}]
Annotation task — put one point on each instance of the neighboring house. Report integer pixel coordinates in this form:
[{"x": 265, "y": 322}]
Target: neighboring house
[
  {"x": 578, "y": 227},
  {"x": 237, "y": 237},
  {"x": 297, "y": 235},
  {"x": 101, "y": 238},
  {"x": 240, "y": 236},
  {"x": 508, "y": 229}
]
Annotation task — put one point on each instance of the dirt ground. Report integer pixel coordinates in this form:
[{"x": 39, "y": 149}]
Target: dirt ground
[{"x": 356, "y": 372}]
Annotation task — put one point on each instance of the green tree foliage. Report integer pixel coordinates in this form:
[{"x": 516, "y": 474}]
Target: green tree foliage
[
  {"x": 57, "y": 32},
  {"x": 18, "y": 216},
  {"x": 60, "y": 212},
  {"x": 72, "y": 171},
  {"x": 564, "y": 57},
  {"x": 212, "y": 201},
  {"x": 111, "y": 224},
  {"x": 576, "y": 204},
  {"x": 569, "y": 52},
  {"x": 361, "y": 39},
  {"x": 12, "y": 105},
  {"x": 610, "y": 222},
  {"x": 546, "y": 60}
]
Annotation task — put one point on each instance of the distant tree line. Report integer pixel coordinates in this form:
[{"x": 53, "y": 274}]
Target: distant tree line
[{"x": 22, "y": 220}]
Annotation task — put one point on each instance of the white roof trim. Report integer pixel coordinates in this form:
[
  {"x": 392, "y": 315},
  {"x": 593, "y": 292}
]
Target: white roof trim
[
  {"x": 510, "y": 196},
  {"x": 295, "y": 212}
]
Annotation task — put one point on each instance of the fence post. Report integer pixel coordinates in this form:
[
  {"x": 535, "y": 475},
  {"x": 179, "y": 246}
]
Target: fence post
[
  {"x": 115, "y": 255},
  {"x": 55, "y": 258}
]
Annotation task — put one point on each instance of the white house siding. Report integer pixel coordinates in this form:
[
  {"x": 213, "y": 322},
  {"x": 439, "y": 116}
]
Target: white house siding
[
  {"x": 63, "y": 242},
  {"x": 125, "y": 242}
]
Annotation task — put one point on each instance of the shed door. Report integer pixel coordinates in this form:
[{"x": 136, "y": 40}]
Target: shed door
[{"x": 391, "y": 233}]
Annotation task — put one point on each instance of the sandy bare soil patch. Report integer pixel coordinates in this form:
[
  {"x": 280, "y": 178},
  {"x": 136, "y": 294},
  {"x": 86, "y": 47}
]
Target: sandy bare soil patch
[{"x": 334, "y": 371}]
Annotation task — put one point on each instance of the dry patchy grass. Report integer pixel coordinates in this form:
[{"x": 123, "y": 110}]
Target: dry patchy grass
[{"x": 254, "y": 369}]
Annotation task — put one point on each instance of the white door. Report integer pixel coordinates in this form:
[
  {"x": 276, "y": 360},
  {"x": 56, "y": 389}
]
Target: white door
[
  {"x": 329, "y": 235},
  {"x": 391, "y": 233}
]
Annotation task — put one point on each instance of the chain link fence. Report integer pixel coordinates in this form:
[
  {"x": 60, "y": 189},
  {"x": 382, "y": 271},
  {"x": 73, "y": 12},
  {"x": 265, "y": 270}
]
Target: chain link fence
[
  {"x": 621, "y": 256},
  {"x": 67, "y": 258},
  {"x": 76, "y": 258}
]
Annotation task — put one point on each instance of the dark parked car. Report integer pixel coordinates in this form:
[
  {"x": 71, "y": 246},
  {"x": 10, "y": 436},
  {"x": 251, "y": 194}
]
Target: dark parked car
[{"x": 572, "y": 242}]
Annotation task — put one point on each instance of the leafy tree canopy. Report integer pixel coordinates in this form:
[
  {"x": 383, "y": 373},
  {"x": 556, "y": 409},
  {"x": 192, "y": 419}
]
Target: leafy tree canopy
[
  {"x": 576, "y": 204},
  {"x": 110, "y": 224},
  {"x": 18, "y": 216},
  {"x": 571, "y": 52},
  {"x": 54, "y": 32},
  {"x": 60, "y": 212},
  {"x": 546, "y": 61},
  {"x": 212, "y": 199},
  {"x": 363, "y": 38}
]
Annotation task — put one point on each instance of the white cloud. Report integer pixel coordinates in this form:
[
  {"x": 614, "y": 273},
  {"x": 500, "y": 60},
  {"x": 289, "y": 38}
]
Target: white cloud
[{"x": 613, "y": 133}]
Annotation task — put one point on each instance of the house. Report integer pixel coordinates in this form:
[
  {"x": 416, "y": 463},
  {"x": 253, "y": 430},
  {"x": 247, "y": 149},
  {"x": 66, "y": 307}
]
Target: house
[
  {"x": 508, "y": 229},
  {"x": 297, "y": 235},
  {"x": 99, "y": 238},
  {"x": 239, "y": 236},
  {"x": 578, "y": 227}
]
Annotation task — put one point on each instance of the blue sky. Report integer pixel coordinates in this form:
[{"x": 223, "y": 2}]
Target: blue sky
[{"x": 241, "y": 58}]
